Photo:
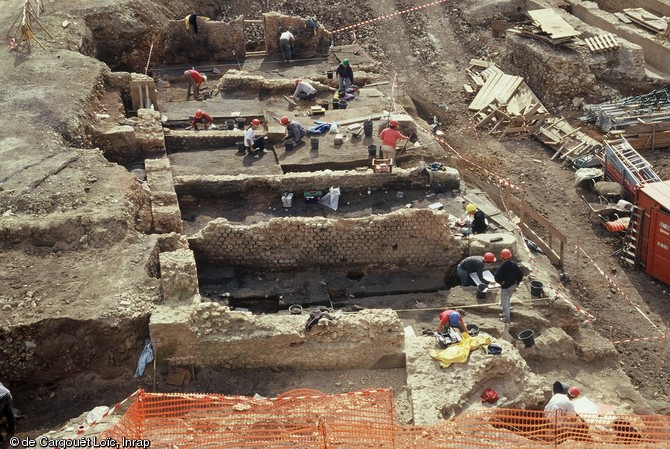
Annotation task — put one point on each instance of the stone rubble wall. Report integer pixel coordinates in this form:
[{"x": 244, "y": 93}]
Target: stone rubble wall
[
  {"x": 215, "y": 41},
  {"x": 218, "y": 186},
  {"x": 308, "y": 43},
  {"x": 164, "y": 202},
  {"x": 209, "y": 334},
  {"x": 408, "y": 237},
  {"x": 179, "y": 277}
]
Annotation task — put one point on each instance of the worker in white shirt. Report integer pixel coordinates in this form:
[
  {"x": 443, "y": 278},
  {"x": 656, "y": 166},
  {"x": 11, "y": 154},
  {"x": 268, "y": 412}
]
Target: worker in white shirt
[
  {"x": 286, "y": 41},
  {"x": 304, "y": 90}
]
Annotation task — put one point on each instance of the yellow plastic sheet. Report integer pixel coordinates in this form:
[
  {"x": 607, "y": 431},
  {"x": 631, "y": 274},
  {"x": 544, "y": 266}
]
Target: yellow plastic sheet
[{"x": 459, "y": 352}]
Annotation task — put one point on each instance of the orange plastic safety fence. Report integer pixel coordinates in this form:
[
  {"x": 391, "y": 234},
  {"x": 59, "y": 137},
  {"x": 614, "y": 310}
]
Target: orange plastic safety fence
[{"x": 365, "y": 419}]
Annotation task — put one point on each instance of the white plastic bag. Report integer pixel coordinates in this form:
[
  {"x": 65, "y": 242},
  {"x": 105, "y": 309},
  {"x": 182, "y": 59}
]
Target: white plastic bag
[
  {"x": 332, "y": 198},
  {"x": 333, "y": 128}
]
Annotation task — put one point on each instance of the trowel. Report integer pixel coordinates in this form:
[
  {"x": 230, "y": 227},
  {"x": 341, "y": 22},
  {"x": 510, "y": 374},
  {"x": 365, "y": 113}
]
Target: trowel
[{"x": 419, "y": 305}]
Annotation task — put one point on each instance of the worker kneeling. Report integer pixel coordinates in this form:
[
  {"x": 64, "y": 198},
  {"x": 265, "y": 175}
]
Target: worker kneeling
[{"x": 295, "y": 131}]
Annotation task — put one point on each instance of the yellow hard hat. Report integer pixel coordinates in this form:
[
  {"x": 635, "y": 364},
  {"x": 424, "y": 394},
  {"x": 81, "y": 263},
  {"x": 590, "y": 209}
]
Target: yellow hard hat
[{"x": 470, "y": 208}]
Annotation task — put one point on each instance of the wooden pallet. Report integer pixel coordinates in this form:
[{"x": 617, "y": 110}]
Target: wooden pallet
[{"x": 601, "y": 43}]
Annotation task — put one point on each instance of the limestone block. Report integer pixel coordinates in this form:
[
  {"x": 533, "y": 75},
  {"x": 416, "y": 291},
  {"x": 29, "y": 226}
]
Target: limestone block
[{"x": 179, "y": 276}]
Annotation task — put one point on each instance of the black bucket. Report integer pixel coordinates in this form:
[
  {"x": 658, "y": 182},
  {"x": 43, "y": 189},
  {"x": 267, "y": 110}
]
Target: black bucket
[
  {"x": 336, "y": 103},
  {"x": 230, "y": 124},
  {"x": 325, "y": 105},
  {"x": 372, "y": 150},
  {"x": 560, "y": 387},
  {"x": 473, "y": 330},
  {"x": 527, "y": 337},
  {"x": 367, "y": 128},
  {"x": 343, "y": 104},
  {"x": 314, "y": 141},
  {"x": 329, "y": 74},
  {"x": 288, "y": 145},
  {"x": 240, "y": 122},
  {"x": 482, "y": 290},
  {"x": 536, "y": 288},
  {"x": 240, "y": 147}
]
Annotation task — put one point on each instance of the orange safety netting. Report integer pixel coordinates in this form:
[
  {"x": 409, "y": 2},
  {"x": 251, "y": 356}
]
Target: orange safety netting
[{"x": 364, "y": 419}]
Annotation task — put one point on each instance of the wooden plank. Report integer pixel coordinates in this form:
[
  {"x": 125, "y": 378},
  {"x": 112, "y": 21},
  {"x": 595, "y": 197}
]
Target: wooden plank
[
  {"x": 540, "y": 219},
  {"x": 622, "y": 17},
  {"x": 646, "y": 19},
  {"x": 484, "y": 96},
  {"x": 549, "y": 252},
  {"x": 514, "y": 84},
  {"x": 553, "y": 24},
  {"x": 590, "y": 44},
  {"x": 481, "y": 63}
]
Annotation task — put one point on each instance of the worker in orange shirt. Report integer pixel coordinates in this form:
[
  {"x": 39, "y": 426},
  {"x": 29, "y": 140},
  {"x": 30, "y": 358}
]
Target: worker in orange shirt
[
  {"x": 194, "y": 80},
  {"x": 390, "y": 137}
]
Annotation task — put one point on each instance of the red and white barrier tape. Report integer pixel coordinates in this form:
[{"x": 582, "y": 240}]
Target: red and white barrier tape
[
  {"x": 81, "y": 429},
  {"x": 386, "y": 16}
]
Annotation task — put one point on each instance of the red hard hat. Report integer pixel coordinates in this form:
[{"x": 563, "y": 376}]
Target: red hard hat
[
  {"x": 393, "y": 123},
  {"x": 573, "y": 392},
  {"x": 284, "y": 120},
  {"x": 198, "y": 113},
  {"x": 505, "y": 254},
  {"x": 297, "y": 81},
  {"x": 255, "y": 122},
  {"x": 489, "y": 258}
]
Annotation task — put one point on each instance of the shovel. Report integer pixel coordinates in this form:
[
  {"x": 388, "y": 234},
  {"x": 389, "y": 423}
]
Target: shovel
[{"x": 419, "y": 305}]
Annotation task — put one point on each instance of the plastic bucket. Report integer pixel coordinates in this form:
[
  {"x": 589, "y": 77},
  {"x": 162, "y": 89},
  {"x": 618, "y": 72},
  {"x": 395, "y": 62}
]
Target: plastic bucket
[
  {"x": 240, "y": 122},
  {"x": 314, "y": 141},
  {"x": 240, "y": 147},
  {"x": 536, "y": 288},
  {"x": 343, "y": 104},
  {"x": 288, "y": 145},
  {"x": 367, "y": 128},
  {"x": 329, "y": 74},
  {"x": 372, "y": 150},
  {"x": 336, "y": 103},
  {"x": 325, "y": 105},
  {"x": 473, "y": 330},
  {"x": 230, "y": 124},
  {"x": 560, "y": 387},
  {"x": 527, "y": 337},
  {"x": 482, "y": 290}
]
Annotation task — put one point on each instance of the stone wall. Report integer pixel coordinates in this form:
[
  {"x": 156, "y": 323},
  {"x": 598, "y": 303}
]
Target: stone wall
[
  {"x": 309, "y": 43},
  {"x": 208, "y": 334},
  {"x": 164, "y": 203},
  {"x": 219, "y": 41},
  {"x": 405, "y": 238},
  {"x": 218, "y": 186}
]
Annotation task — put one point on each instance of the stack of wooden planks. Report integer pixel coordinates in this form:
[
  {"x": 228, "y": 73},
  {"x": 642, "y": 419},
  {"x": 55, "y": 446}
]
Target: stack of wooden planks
[
  {"x": 569, "y": 143},
  {"x": 646, "y": 19},
  {"x": 503, "y": 102},
  {"x": 548, "y": 26}
]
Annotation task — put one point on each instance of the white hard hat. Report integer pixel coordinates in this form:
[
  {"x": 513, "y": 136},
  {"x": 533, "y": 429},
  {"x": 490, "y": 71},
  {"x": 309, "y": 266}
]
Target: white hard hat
[{"x": 204, "y": 77}]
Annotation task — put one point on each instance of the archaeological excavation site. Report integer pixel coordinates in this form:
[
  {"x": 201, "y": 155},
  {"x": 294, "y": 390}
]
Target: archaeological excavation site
[{"x": 381, "y": 224}]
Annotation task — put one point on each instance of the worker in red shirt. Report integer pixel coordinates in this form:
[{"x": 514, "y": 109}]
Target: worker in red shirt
[
  {"x": 203, "y": 118},
  {"x": 390, "y": 137},
  {"x": 194, "y": 80},
  {"x": 451, "y": 318}
]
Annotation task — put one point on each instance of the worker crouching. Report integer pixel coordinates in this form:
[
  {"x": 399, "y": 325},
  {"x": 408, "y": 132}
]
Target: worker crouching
[
  {"x": 201, "y": 118},
  {"x": 295, "y": 131}
]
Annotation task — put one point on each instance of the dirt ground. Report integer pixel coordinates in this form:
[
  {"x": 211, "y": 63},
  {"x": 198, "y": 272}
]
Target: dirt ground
[{"x": 428, "y": 51}]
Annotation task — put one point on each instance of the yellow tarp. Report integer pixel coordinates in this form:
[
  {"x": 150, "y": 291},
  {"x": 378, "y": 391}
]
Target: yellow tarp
[{"x": 459, "y": 352}]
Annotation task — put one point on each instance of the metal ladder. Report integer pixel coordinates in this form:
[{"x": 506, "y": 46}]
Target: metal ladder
[{"x": 630, "y": 253}]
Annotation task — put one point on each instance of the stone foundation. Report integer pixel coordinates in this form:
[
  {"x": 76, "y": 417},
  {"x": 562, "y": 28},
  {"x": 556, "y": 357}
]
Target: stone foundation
[{"x": 209, "y": 334}]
